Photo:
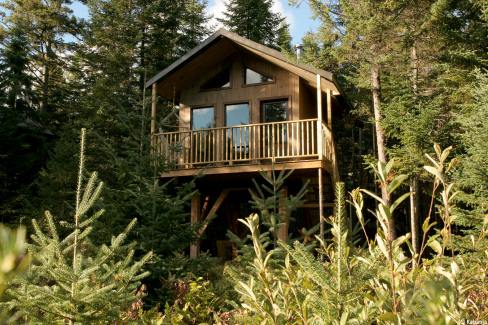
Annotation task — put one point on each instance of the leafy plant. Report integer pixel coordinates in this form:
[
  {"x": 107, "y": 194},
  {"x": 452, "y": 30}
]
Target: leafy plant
[
  {"x": 342, "y": 283},
  {"x": 13, "y": 262}
]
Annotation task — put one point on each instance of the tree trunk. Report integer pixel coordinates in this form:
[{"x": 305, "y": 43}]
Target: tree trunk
[
  {"x": 45, "y": 78},
  {"x": 142, "y": 55},
  {"x": 380, "y": 134},
  {"x": 414, "y": 216},
  {"x": 415, "y": 67},
  {"x": 414, "y": 181}
]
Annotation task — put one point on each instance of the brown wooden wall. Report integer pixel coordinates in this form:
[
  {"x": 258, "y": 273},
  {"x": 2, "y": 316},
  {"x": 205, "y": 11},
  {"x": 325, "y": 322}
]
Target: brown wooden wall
[
  {"x": 308, "y": 101},
  {"x": 285, "y": 85}
]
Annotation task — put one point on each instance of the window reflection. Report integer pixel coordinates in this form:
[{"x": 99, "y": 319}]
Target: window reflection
[
  {"x": 274, "y": 111},
  {"x": 237, "y": 114},
  {"x": 254, "y": 77},
  {"x": 202, "y": 118},
  {"x": 220, "y": 80}
]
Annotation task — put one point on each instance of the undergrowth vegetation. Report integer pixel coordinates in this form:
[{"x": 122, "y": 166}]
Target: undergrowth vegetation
[
  {"x": 339, "y": 281},
  {"x": 344, "y": 277}
]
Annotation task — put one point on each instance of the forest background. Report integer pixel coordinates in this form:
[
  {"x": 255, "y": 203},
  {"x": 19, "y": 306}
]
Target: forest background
[{"x": 414, "y": 74}]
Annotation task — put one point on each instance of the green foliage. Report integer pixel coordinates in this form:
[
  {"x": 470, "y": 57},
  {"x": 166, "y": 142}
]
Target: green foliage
[
  {"x": 266, "y": 199},
  {"x": 13, "y": 262},
  {"x": 196, "y": 302},
  {"x": 284, "y": 39},
  {"x": 44, "y": 25},
  {"x": 71, "y": 279},
  {"x": 344, "y": 284},
  {"x": 440, "y": 170},
  {"x": 254, "y": 20},
  {"x": 13, "y": 258},
  {"x": 472, "y": 176}
]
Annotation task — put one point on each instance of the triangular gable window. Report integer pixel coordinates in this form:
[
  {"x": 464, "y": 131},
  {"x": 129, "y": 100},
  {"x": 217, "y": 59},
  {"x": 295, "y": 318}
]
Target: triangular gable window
[
  {"x": 253, "y": 77},
  {"x": 220, "y": 80}
]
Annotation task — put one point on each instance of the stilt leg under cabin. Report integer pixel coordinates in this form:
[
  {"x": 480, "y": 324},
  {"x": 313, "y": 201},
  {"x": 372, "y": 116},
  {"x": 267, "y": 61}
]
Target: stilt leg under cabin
[{"x": 218, "y": 207}]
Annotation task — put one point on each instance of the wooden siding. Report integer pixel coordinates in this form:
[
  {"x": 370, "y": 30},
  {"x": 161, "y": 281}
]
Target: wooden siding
[
  {"x": 308, "y": 100},
  {"x": 285, "y": 85}
]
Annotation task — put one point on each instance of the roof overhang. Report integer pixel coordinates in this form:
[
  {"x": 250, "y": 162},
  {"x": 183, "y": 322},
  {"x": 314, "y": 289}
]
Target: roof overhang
[{"x": 306, "y": 72}]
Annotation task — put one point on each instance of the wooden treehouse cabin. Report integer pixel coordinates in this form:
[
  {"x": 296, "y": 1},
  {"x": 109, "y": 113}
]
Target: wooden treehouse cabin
[{"x": 244, "y": 109}]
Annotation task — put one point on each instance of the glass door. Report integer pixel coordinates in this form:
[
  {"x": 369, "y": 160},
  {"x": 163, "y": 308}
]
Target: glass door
[
  {"x": 236, "y": 117},
  {"x": 202, "y": 119},
  {"x": 275, "y": 135}
]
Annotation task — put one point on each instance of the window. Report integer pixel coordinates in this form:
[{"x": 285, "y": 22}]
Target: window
[
  {"x": 237, "y": 114},
  {"x": 220, "y": 80},
  {"x": 274, "y": 110},
  {"x": 202, "y": 118},
  {"x": 253, "y": 77}
]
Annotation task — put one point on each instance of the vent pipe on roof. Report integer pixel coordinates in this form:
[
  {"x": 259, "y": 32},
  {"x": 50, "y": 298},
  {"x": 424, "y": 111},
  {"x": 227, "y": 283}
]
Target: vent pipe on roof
[{"x": 298, "y": 51}]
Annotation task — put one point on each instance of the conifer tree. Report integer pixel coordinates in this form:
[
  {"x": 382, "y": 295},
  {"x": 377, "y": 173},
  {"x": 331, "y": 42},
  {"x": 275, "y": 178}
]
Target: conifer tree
[
  {"x": 254, "y": 20},
  {"x": 124, "y": 44},
  {"x": 284, "y": 39},
  {"x": 15, "y": 81},
  {"x": 473, "y": 177},
  {"x": 367, "y": 32},
  {"x": 46, "y": 25},
  {"x": 71, "y": 280}
]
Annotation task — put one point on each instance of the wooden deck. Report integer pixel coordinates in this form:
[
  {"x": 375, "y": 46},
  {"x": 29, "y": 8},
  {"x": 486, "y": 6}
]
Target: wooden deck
[{"x": 247, "y": 148}]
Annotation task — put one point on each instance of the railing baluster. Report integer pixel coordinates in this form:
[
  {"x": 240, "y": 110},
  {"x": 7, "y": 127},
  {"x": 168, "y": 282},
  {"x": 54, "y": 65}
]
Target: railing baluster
[
  {"x": 200, "y": 144},
  {"x": 281, "y": 136},
  {"x": 266, "y": 136},
  {"x": 231, "y": 145},
  {"x": 171, "y": 149},
  {"x": 251, "y": 143},
  {"x": 302, "y": 151},
  {"x": 240, "y": 143},
  {"x": 314, "y": 136},
  {"x": 307, "y": 132},
  {"x": 174, "y": 145}
]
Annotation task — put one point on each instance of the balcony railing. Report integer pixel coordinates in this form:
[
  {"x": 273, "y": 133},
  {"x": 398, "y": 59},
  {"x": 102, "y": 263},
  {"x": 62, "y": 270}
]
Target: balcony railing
[{"x": 252, "y": 144}]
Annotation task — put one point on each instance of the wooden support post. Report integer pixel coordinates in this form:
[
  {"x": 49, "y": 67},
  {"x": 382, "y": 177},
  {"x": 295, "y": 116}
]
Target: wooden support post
[
  {"x": 212, "y": 211},
  {"x": 153, "y": 115},
  {"x": 284, "y": 215},
  {"x": 321, "y": 204},
  {"x": 195, "y": 218},
  {"x": 320, "y": 147},
  {"x": 329, "y": 109}
]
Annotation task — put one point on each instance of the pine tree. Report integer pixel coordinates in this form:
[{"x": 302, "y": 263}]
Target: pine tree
[
  {"x": 254, "y": 20},
  {"x": 284, "y": 39},
  {"x": 474, "y": 170},
  {"x": 45, "y": 24},
  {"x": 72, "y": 280},
  {"x": 24, "y": 142},
  {"x": 368, "y": 32},
  {"x": 125, "y": 43},
  {"x": 15, "y": 80}
]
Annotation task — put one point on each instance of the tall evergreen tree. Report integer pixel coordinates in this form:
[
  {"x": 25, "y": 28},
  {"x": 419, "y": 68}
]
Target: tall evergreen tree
[
  {"x": 473, "y": 176},
  {"x": 126, "y": 42},
  {"x": 367, "y": 32},
  {"x": 418, "y": 56},
  {"x": 25, "y": 142},
  {"x": 254, "y": 20},
  {"x": 284, "y": 39},
  {"x": 15, "y": 80},
  {"x": 46, "y": 25}
]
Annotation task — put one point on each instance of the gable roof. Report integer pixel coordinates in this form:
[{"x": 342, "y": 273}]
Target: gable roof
[{"x": 306, "y": 72}]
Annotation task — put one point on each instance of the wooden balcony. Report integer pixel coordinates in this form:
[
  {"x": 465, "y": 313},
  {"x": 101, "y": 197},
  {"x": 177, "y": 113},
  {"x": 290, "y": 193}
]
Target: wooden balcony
[{"x": 246, "y": 148}]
